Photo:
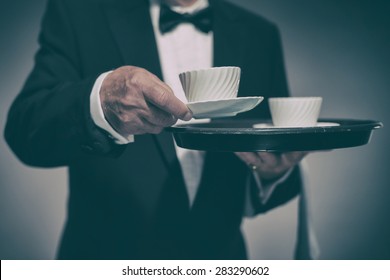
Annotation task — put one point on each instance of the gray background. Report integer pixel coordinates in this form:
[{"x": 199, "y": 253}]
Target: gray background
[{"x": 335, "y": 49}]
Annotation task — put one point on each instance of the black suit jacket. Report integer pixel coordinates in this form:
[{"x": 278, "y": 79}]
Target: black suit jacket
[{"x": 130, "y": 202}]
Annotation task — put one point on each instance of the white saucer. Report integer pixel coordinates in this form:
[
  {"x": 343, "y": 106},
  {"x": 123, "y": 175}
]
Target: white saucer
[
  {"x": 192, "y": 121},
  {"x": 269, "y": 125},
  {"x": 223, "y": 107}
]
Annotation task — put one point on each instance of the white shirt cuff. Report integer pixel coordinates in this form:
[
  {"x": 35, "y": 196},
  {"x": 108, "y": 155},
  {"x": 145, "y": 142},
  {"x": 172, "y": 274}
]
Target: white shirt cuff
[
  {"x": 98, "y": 115},
  {"x": 265, "y": 191}
]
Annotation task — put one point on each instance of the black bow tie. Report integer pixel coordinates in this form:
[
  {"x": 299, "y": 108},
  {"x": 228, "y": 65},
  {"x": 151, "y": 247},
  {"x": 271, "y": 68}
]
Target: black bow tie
[{"x": 169, "y": 19}]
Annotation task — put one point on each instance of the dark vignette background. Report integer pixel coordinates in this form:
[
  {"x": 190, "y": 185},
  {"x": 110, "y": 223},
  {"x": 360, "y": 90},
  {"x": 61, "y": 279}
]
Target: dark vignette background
[{"x": 338, "y": 49}]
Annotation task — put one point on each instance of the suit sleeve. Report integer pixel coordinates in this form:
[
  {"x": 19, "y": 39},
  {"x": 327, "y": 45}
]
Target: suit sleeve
[{"x": 49, "y": 123}]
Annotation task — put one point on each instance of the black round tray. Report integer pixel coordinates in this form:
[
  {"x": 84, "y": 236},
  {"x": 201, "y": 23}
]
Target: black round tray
[{"x": 240, "y": 136}]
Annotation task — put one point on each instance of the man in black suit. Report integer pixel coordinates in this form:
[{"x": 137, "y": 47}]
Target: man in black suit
[{"x": 95, "y": 102}]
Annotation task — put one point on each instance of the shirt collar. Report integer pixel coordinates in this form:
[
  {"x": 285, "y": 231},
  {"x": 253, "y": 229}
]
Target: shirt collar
[{"x": 198, "y": 5}]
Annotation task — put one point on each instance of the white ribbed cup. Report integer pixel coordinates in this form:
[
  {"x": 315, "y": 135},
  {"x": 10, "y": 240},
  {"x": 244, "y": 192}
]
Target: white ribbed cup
[
  {"x": 211, "y": 84},
  {"x": 295, "y": 111}
]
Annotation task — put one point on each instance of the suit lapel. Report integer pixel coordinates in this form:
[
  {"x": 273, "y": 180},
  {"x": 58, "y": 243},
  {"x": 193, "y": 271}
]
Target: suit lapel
[
  {"x": 132, "y": 30},
  {"x": 229, "y": 36}
]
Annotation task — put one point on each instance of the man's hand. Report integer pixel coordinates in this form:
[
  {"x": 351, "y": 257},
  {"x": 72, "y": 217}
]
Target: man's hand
[
  {"x": 271, "y": 166},
  {"x": 135, "y": 101}
]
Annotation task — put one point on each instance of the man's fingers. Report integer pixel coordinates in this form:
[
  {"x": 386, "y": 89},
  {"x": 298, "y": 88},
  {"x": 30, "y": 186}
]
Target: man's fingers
[
  {"x": 158, "y": 117},
  {"x": 163, "y": 98},
  {"x": 269, "y": 159},
  {"x": 271, "y": 165},
  {"x": 260, "y": 159},
  {"x": 249, "y": 158},
  {"x": 293, "y": 158}
]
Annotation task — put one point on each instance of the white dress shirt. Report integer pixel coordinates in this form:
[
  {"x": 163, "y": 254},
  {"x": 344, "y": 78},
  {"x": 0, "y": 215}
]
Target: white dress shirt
[{"x": 184, "y": 48}]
